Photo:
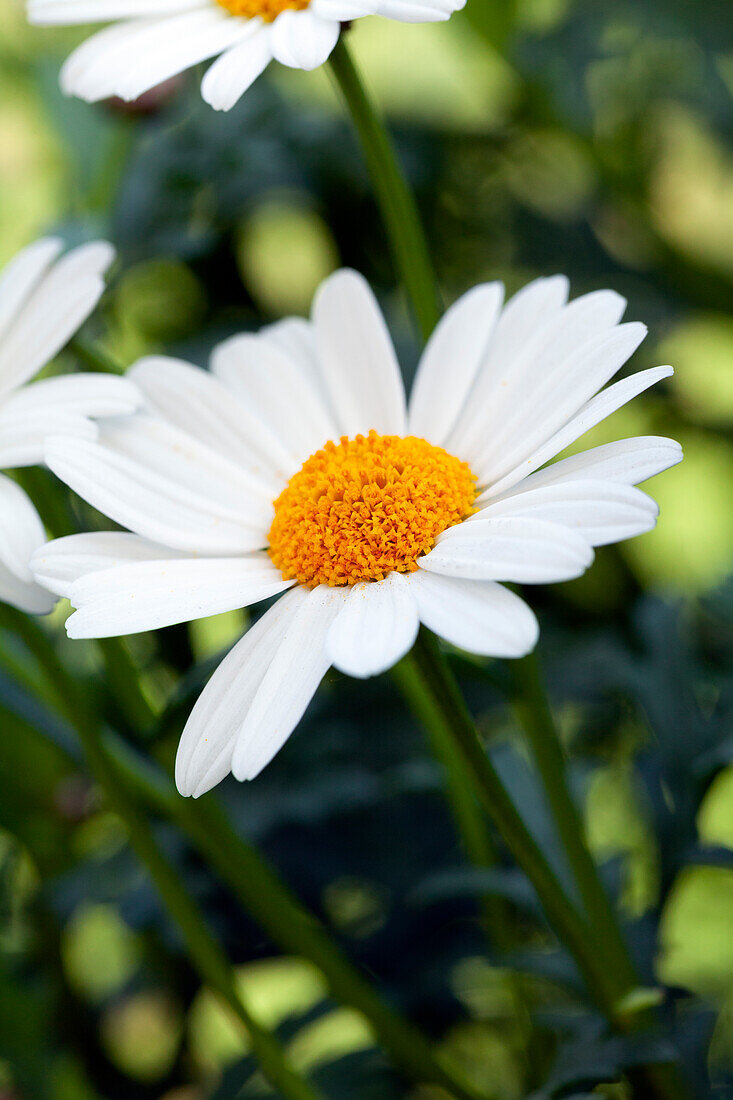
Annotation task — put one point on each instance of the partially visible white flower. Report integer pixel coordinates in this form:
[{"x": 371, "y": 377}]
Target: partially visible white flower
[
  {"x": 149, "y": 41},
  {"x": 297, "y": 467},
  {"x": 43, "y": 301}
]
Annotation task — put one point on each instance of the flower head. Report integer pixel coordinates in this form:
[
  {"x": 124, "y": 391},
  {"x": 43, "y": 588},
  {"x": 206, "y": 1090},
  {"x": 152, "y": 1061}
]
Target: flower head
[
  {"x": 296, "y": 469},
  {"x": 149, "y": 41},
  {"x": 43, "y": 301}
]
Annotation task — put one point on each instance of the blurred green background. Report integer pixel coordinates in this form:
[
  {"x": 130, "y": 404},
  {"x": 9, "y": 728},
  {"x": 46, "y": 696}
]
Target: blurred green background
[{"x": 540, "y": 136}]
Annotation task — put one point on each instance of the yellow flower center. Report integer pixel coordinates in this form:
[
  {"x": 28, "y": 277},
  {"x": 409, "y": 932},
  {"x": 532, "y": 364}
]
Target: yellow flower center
[
  {"x": 365, "y": 507},
  {"x": 266, "y": 9}
]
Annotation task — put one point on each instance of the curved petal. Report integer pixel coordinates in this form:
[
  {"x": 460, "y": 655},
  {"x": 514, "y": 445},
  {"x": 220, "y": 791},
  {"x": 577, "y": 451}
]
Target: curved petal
[
  {"x": 592, "y": 413},
  {"x": 626, "y": 462},
  {"x": 58, "y": 564},
  {"x": 479, "y": 616},
  {"x": 525, "y": 551},
  {"x": 357, "y": 358},
  {"x": 64, "y": 12},
  {"x": 277, "y": 391},
  {"x": 163, "y": 485},
  {"x": 50, "y": 315},
  {"x": 451, "y": 362},
  {"x": 419, "y": 11},
  {"x": 198, "y": 403},
  {"x": 601, "y": 511},
  {"x": 229, "y": 77},
  {"x": 294, "y": 673},
  {"x": 59, "y": 406},
  {"x": 21, "y": 533},
  {"x": 377, "y": 626},
  {"x": 205, "y": 751},
  {"x": 302, "y": 39},
  {"x": 146, "y": 595},
  {"x": 19, "y": 277}
]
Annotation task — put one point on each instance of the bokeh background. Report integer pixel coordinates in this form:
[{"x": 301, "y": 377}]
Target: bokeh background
[{"x": 540, "y": 136}]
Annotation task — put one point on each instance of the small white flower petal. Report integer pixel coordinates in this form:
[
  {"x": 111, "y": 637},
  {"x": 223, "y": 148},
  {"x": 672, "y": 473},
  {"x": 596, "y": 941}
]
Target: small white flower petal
[
  {"x": 205, "y": 752},
  {"x": 515, "y": 549},
  {"x": 198, "y": 403},
  {"x": 376, "y": 627},
  {"x": 357, "y": 358},
  {"x": 58, "y": 564},
  {"x": 63, "y": 12},
  {"x": 164, "y": 486},
  {"x": 19, "y": 278},
  {"x": 51, "y": 314},
  {"x": 229, "y": 77},
  {"x": 302, "y": 39},
  {"x": 147, "y": 595},
  {"x": 278, "y": 392},
  {"x": 592, "y": 413},
  {"x": 21, "y": 533},
  {"x": 601, "y": 511},
  {"x": 479, "y": 616},
  {"x": 451, "y": 362},
  {"x": 536, "y": 415},
  {"x": 419, "y": 11},
  {"x": 291, "y": 680},
  {"x": 627, "y": 462}
]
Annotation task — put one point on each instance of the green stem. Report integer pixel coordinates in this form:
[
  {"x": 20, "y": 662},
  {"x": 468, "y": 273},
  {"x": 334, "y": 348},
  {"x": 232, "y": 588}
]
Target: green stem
[
  {"x": 431, "y": 691},
  {"x": 397, "y": 205},
  {"x": 204, "y": 951},
  {"x": 532, "y": 708}
]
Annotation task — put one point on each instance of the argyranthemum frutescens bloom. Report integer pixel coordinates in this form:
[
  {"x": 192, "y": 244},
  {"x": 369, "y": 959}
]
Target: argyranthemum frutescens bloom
[
  {"x": 297, "y": 466},
  {"x": 152, "y": 40},
  {"x": 43, "y": 301}
]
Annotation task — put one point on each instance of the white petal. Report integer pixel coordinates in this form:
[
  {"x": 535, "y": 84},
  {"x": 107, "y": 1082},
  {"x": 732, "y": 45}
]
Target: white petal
[
  {"x": 59, "y": 406},
  {"x": 52, "y": 313},
  {"x": 128, "y": 59},
  {"x": 205, "y": 751},
  {"x": 297, "y": 339},
  {"x": 525, "y": 551},
  {"x": 601, "y": 511},
  {"x": 168, "y": 489},
  {"x": 291, "y": 680},
  {"x": 201, "y": 405},
  {"x": 357, "y": 358},
  {"x": 376, "y": 627},
  {"x": 302, "y": 39},
  {"x": 451, "y": 362},
  {"x": 419, "y": 11},
  {"x": 596, "y": 410},
  {"x": 63, "y": 12},
  {"x": 22, "y": 275},
  {"x": 344, "y": 10},
  {"x": 627, "y": 462},
  {"x": 229, "y": 77},
  {"x": 276, "y": 391},
  {"x": 21, "y": 533},
  {"x": 478, "y": 616},
  {"x": 147, "y": 595},
  {"x": 533, "y": 417},
  {"x": 58, "y": 564}
]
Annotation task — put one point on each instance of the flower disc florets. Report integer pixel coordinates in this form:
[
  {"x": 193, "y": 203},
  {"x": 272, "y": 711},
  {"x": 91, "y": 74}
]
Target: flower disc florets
[
  {"x": 266, "y": 9},
  {"x": 365, "y": 507}
]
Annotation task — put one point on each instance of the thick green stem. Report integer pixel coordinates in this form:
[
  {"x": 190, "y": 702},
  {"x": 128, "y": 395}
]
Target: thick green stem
[
  {"x": 397, "y": 205},
  {"x": 115, "y": 781},
  {"x": 532, "y": 708}
]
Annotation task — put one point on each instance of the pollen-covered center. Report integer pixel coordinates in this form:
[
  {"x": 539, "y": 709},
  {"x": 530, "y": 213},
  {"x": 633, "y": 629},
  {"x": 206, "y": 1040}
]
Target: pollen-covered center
[
  {"x": 365, "y": 507},
  {"x": 266, "y": 9}
]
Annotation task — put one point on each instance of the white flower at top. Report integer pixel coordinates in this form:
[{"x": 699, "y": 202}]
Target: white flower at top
[
  {"x": 295, "y": 468},
  {"x": 150, "y": 41},
  {"x": 43, "y": 301}
]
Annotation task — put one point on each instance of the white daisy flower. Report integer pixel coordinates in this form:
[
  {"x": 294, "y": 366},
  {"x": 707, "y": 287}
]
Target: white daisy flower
[
  {"x": 295, "y": 466},
  {"x": 43, "y": 301},
  {"x": 150, "y": 41}
]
